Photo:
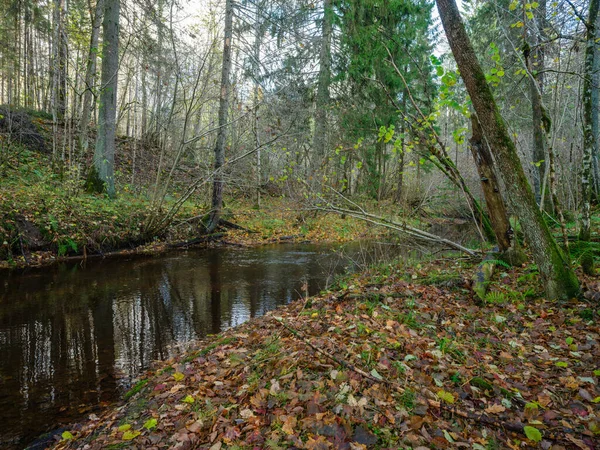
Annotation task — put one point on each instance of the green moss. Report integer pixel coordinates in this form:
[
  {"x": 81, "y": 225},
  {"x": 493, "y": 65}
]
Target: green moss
[
  {"x": 564, "y": 278},
  {"x": 209, "y": 348},
  {"x": 482, "y": 384},
  {"x": 93, "y": 182},
  {"x": 137, "y": 387}
]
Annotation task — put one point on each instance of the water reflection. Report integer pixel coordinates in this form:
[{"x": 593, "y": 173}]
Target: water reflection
[{"x": 70, "y": 335}]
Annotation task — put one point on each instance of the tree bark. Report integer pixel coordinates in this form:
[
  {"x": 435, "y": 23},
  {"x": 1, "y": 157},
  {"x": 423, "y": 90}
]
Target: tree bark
[
  {"x": 542, "y": 125},
  {"x": 322, "y": 99},
  {"x": 556, "y": 274},
  {"x": 90, "y": 77},
  {"x": 258, "y": 34},
  {"x": 491, "y": 188},
  {"x": 218, "y": 183},
  {"x": 589, "y": 140},
  {"x": 59, "y": 64},
  {"x": 596, "y": 115},
  {"x": 104, "y": 155},
  {"x": 400, "y": 191},
  {"x": 535, "y": 64}
]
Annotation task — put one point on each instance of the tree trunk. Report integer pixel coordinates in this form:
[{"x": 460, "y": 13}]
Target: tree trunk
[
  {"x": 217, "y": 194},
  {"x": 587, "y": 261},
  {"x": 556, "y": 274},
  {"x": 322, "y": 100},
  {"x": 258, "y": 34},
  {"x": 59, "y": 64},
  {"x": 104, "y": 155},
  {"x": 535, "y": 64},
  {"x": 596, "y": 115},
  {"x": 90, "y": 77},
  {"x": 159, "y": 73},
  {"x": 400, "y": 191},
  {"x": 496, "y": 206},
  {"x": 542, "y": 126}
]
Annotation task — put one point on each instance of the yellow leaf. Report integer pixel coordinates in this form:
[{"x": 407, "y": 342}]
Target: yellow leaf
[
  {"x": 129, "y": 435},
  {"x": 178, "y": 376},
  {"x": 446, "y": 396},
  {"x": 188, "y": 399},
  {"x": 67, "y": 435}
]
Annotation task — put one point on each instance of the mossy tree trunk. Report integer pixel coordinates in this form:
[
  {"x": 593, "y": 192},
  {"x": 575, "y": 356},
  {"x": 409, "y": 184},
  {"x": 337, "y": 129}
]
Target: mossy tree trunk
[
  {"x": 542, "y": 125},
  {"x": 90, "y": 76},
  {"x": 558, "y": 278},
  {"x": 589, "y": 140},
  {"x": 104, "y": 154},
  {"x": 595, "y": 96},
  {"x": 507, "y": 244}
]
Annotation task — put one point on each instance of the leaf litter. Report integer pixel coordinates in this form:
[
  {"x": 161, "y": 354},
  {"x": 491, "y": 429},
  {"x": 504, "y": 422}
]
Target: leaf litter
[{"x": 395, "y": 361}]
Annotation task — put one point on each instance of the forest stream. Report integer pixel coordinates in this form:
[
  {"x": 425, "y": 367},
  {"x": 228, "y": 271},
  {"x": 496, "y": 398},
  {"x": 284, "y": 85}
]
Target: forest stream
[{"x": 73, "y": 337}]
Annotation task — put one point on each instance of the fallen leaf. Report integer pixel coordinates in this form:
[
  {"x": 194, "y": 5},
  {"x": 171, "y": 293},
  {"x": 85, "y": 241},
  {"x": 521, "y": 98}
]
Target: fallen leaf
[
  {"x": 178, "y": 376},
  {"x": 495, "y": 409}
]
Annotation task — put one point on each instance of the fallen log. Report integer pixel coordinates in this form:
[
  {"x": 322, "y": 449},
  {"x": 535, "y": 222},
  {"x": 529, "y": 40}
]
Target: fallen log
[
  {"x": 198, "y": 240},
  {"x": 401, "y": 227},
  {"x": 234, "y": 226}
]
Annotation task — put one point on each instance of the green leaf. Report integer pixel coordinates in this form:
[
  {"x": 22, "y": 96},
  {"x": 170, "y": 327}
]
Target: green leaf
[
  {"x": 129, "y": 435},
  {"x": 125, "y": 427},
  {"x": 376, "y": 375},
  {"x": 561, "y": 364},
  {"x": 569, "y": 340},
  {"x": 597, "y": 372},
  {"x": 448, "y": 437},
  {"x": 532, "y": 405},
  {"x": 446, "y": 396},
  {"x": 188, "y": 399},
  {"x": 532, "y": 433},
  {"x": 67, "y": 435},
  {"x": 596, "y": 400},
  {"x": 150, "y": 423}
]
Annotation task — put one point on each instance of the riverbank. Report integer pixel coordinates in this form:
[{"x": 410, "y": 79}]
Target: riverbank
[
  {"x": 45, "y": 219},
  {"x": 402, "y": 356}
]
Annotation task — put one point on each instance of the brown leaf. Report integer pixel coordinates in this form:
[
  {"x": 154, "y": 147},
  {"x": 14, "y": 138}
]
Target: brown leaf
[
  {"x": 289, "y": 424},
  {"x": 578, "y": 442},
  {"x": 496, "y": 408}
]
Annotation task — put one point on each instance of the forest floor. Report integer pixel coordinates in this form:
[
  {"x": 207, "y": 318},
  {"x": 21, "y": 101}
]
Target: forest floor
[
  {"x": 401, "y": 356},
  {"x": 44, "y": 219}
]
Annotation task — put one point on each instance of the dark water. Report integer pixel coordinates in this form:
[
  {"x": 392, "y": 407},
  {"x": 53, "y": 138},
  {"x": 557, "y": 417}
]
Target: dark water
[{"x": 73, "y": 336}]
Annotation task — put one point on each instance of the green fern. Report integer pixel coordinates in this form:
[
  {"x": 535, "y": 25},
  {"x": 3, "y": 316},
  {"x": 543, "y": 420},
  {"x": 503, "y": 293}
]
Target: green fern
[
  {"x": 498, "y": 262},
  {"x": 495, "y": 298}
]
